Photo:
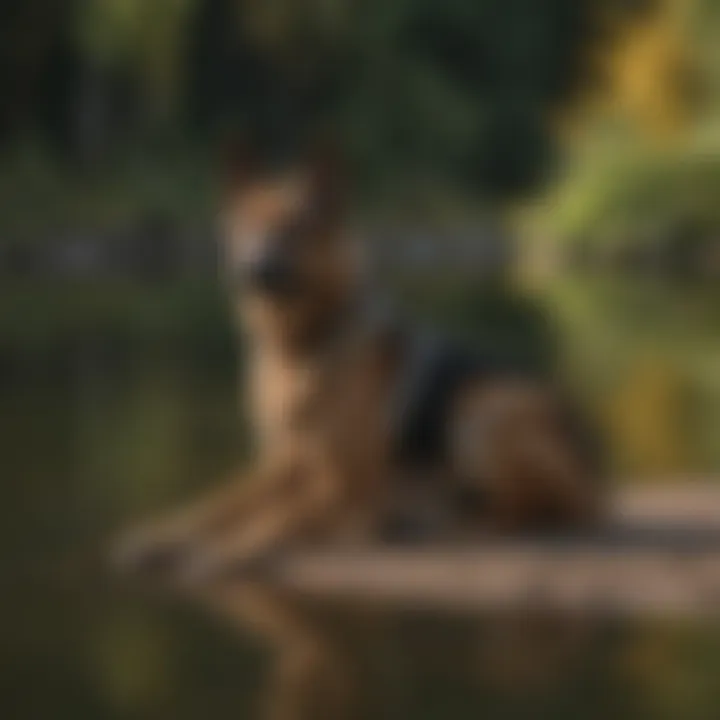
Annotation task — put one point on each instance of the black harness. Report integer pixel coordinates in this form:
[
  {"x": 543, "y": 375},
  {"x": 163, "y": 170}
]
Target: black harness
[{"x": 435, "y": 369}]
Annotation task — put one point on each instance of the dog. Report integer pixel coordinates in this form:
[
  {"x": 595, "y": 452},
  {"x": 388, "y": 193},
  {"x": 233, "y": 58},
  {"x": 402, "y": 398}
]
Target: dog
[{"x": 367, "y": 430}]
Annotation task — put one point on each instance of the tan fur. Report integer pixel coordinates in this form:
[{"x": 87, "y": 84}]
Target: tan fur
[
  {"x": 509, "y": 434},
  {"x": 321, "y": 413}
]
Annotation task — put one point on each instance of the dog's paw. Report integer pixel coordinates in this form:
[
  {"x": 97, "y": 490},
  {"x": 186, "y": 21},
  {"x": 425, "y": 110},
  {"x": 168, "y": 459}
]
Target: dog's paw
[{"x": 150, "y": 553}]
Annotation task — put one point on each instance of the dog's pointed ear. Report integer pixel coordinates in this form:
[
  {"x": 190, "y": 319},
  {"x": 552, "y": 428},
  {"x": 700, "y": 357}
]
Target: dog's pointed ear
[
  {"x": 239, "y": 163},
  {"x": 328, "y": 175}
]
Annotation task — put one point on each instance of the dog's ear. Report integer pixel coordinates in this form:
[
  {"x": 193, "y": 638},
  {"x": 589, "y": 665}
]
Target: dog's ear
[{"x": 328, "y": 176}]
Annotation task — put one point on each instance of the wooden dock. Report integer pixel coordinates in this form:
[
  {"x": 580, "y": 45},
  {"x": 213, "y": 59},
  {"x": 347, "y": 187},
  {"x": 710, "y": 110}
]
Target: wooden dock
[{"x": 659, "y": 554}]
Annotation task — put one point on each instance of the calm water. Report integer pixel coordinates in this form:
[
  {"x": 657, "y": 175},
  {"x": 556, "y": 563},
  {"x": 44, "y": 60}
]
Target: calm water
[{"x": 82, "y": 456}]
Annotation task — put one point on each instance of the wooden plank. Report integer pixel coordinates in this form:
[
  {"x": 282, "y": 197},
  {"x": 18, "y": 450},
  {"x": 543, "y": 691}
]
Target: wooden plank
[{"x": 659, "y": 553}]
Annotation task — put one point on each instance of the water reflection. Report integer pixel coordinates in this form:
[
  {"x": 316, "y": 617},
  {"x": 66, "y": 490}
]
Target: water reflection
[
  {"x": 311, "y": 673},
  {"x": 354, "y": 661},
  {"x": 330, "y": 662}
]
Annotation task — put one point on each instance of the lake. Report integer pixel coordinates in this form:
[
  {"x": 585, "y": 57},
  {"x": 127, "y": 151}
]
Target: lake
[{"x": 87, "y": 449}]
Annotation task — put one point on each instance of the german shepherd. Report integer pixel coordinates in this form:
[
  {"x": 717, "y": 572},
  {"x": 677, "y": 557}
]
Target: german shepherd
[{"x": 366, "y": 429}]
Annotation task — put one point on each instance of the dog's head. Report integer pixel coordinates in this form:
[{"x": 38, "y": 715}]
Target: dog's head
[{"x": 288, "y": 256}]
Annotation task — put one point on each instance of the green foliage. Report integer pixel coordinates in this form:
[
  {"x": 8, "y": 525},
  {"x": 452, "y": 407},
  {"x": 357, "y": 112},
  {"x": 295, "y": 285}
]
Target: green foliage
[
  {"x": 39, "y": 196},
  {"x": 462, "y": 90},
  {"x": 501, "y": 320},
  {"x": 640, "y": 194},
  {"x": 44, "y": 323},
  {"x": 646, "y": 356}
]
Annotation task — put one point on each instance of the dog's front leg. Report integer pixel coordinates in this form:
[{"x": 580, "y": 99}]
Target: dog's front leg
[
  {"x": 164, "y": 545},
  {"x": 308, "y": 507}
]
